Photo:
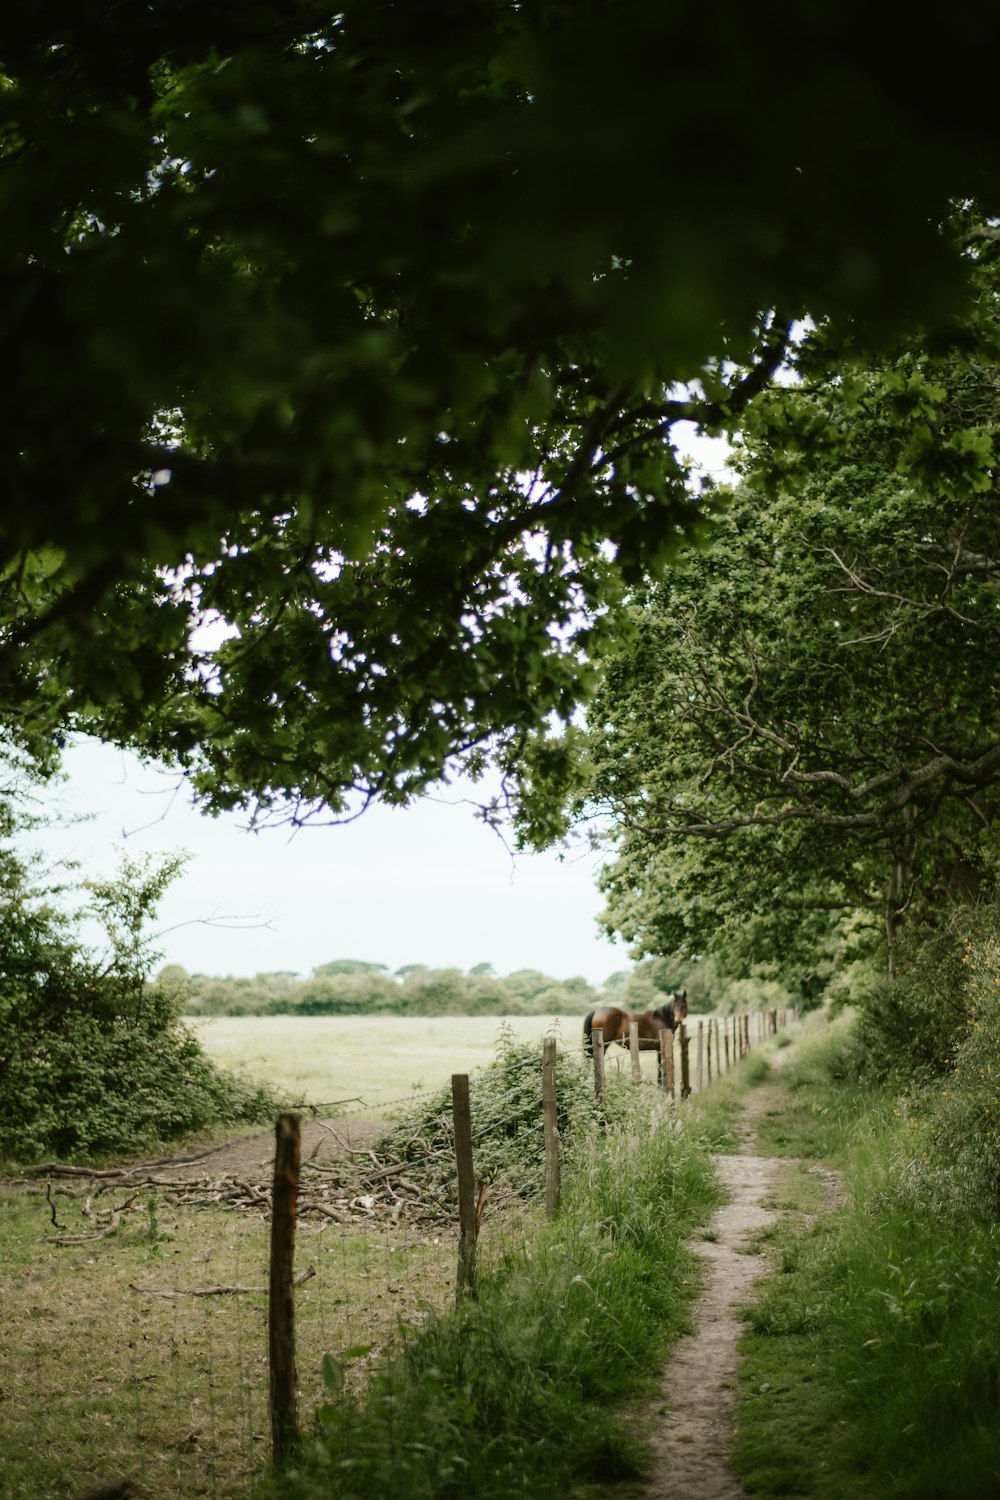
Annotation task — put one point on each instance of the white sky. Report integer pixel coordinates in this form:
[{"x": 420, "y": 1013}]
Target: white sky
[{"x": 427, "y": 884}]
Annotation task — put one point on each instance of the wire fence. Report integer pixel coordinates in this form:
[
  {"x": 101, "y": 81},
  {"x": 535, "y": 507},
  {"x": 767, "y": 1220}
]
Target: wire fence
[{"x": 136, "y": 1340}]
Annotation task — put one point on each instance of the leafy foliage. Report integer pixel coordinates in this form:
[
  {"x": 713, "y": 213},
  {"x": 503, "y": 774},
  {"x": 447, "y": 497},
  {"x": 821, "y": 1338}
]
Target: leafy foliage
[
  {"x": 366, "y": 989},
  {"x": 798, "y": 725},
  {"x": 93, "y": 1059},
  {"x": 871, "y": 1358},
  {"x": 963, "y": 1114},
  {"x": 506, "y": 1108},
  {"x": 347, "y": 362}
]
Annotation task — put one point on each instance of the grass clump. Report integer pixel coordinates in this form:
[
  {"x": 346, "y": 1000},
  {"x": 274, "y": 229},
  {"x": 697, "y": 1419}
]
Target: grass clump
[
  {"x": 872, "y": 1357},
  {"x": 509, "y": 1394}
]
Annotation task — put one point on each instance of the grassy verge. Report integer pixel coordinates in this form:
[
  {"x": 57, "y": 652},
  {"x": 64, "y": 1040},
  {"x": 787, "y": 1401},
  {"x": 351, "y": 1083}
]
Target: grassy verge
[
  {"x": 101, "y": 1376},
  {"x": 871, "y": 1362},
  {"x": 514, "y": 1393}
]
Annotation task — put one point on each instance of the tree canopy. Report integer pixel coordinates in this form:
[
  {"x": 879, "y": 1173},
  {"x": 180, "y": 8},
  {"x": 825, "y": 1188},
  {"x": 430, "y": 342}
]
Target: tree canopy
[
  {"x": 347, "y": 351},
  {"x": 801, "y": 719}
]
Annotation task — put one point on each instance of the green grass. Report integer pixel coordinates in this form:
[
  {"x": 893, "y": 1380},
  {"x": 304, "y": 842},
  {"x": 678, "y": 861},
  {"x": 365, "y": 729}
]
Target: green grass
[
  {"x": 380, "y": 1060},
  {"x": 100, "y": 1380},
  {"x": 871, "y": 1362},
  {"x": 370, "y": 1063},
  {"x": 515, "y": 1393}
]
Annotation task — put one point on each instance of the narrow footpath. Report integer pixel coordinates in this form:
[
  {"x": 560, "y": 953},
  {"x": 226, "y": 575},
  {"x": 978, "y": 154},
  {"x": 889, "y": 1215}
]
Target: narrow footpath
[{"x": 693, "y": 1420}]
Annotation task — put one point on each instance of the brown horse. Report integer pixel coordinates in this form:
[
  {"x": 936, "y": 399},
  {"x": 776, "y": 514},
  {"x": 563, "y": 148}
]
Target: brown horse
[{"x": 614, "y": 1023}]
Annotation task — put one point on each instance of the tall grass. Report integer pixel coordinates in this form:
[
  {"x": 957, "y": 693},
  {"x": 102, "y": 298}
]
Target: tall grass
[
  {"x": 872, "y": 1358},
  {"x": 513, "y": 1393}
]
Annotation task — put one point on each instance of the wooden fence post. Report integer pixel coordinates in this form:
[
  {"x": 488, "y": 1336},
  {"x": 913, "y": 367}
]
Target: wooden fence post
[
  {"x": 667, "y": 1060},
  {"x": 633, "y": 1047},
  {"x": 701, "y": 1056},
  {"x": 281, "y": 1298},
  {"x": 550, "y": 1123},
  {"x": 467, "y": 1223},
  {"x": 685, "y": 1064},
  {"x": 708, "y": 1051},
  {"x": 597, "y": 1041}
]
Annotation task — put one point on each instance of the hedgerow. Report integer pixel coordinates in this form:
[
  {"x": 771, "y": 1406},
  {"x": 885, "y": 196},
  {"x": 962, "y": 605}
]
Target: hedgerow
[{"x": 94, "y": 1060}]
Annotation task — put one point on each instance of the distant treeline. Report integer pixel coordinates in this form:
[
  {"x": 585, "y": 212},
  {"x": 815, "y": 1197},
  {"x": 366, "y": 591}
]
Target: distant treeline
[
  {"x": 349, "y": 987},
  {"x": 353, "y": 987}
]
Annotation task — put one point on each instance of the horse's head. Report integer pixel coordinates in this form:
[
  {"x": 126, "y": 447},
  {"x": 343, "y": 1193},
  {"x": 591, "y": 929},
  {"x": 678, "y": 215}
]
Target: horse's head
[{"x": 678, "y": 1008}]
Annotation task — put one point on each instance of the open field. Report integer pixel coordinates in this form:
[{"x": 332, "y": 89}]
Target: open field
[
  {"x": 143, "y": 1352},
  {"x": 372, "y": 1061},
  {"x": 124, "y": 1356},
  {"x": 113, "y": 1359}
]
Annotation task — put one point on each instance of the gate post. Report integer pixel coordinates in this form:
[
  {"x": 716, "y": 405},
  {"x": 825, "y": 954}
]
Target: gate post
[
  {"x": 685, "y": 1064},
  {"x": 281, "y": 1298}
]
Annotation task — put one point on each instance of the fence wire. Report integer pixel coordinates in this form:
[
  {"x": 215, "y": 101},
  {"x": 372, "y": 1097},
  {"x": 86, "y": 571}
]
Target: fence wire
[{"x": 135, "y": 1336}]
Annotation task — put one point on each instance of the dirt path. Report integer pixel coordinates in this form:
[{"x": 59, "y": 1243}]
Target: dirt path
[{"x": 693, "y": 1419}]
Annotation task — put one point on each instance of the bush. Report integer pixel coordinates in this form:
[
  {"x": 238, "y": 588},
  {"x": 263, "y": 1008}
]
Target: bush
[
  {"x": 909, "y": 1024},
  {"x": 93, "y": 1059},
  {"x": 93, "y": 1089},
  {"x": 964, "y": 1114},
  {"x": 506, "y": 1105}
]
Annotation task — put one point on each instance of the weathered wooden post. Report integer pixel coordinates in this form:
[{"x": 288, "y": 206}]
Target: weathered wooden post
[
  {"x": 281, "y": 1298},
  {"x": 597, "y": 1041},
  {"x": 725, "y": 1037},
  {"x": 667, "y": 1060},
  {"x": 468, "y": 1225},
  {"x": 550, "y": 1122},
  {"x": 746, "y": 1033},
  {"x": 633, "y": 1048},
  {"x": 701, "y": 1056},
  {"x": 685, "y": 1064},
  {"x": 708, "y": 1052}
]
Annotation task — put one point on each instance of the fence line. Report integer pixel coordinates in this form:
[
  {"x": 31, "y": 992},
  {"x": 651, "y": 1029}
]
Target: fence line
[
  {"x": 198, "y": 1339},
  {"x": 472, "y": 1196}
]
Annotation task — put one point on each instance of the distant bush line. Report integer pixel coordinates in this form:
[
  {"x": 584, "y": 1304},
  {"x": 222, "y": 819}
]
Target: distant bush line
[
  {"x": 372, "y": 990},
  {"x": 355, "y": 987}
]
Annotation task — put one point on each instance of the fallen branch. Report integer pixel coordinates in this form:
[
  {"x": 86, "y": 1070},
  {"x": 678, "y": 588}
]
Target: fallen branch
[
  {"x": 87, "y": 1239},
  {"x": 215, "y": 1291},
  {"x": 328, "y": 1210},
  {"x": 48, "y": 1199}
]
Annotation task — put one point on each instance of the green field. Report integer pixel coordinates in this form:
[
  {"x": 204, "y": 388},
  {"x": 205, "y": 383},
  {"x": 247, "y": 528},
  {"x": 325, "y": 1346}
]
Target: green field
[{"x": 366, "y": 1063}]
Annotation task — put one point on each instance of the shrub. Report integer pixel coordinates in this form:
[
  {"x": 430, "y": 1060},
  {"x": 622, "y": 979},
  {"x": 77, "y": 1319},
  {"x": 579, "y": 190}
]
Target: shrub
[
  {"x": 964, "y": 1113},
  {"x": 93, "y": 1058},
  {"x": 909, "y": 1023},
  {"x": 95, "y": 1088}
]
